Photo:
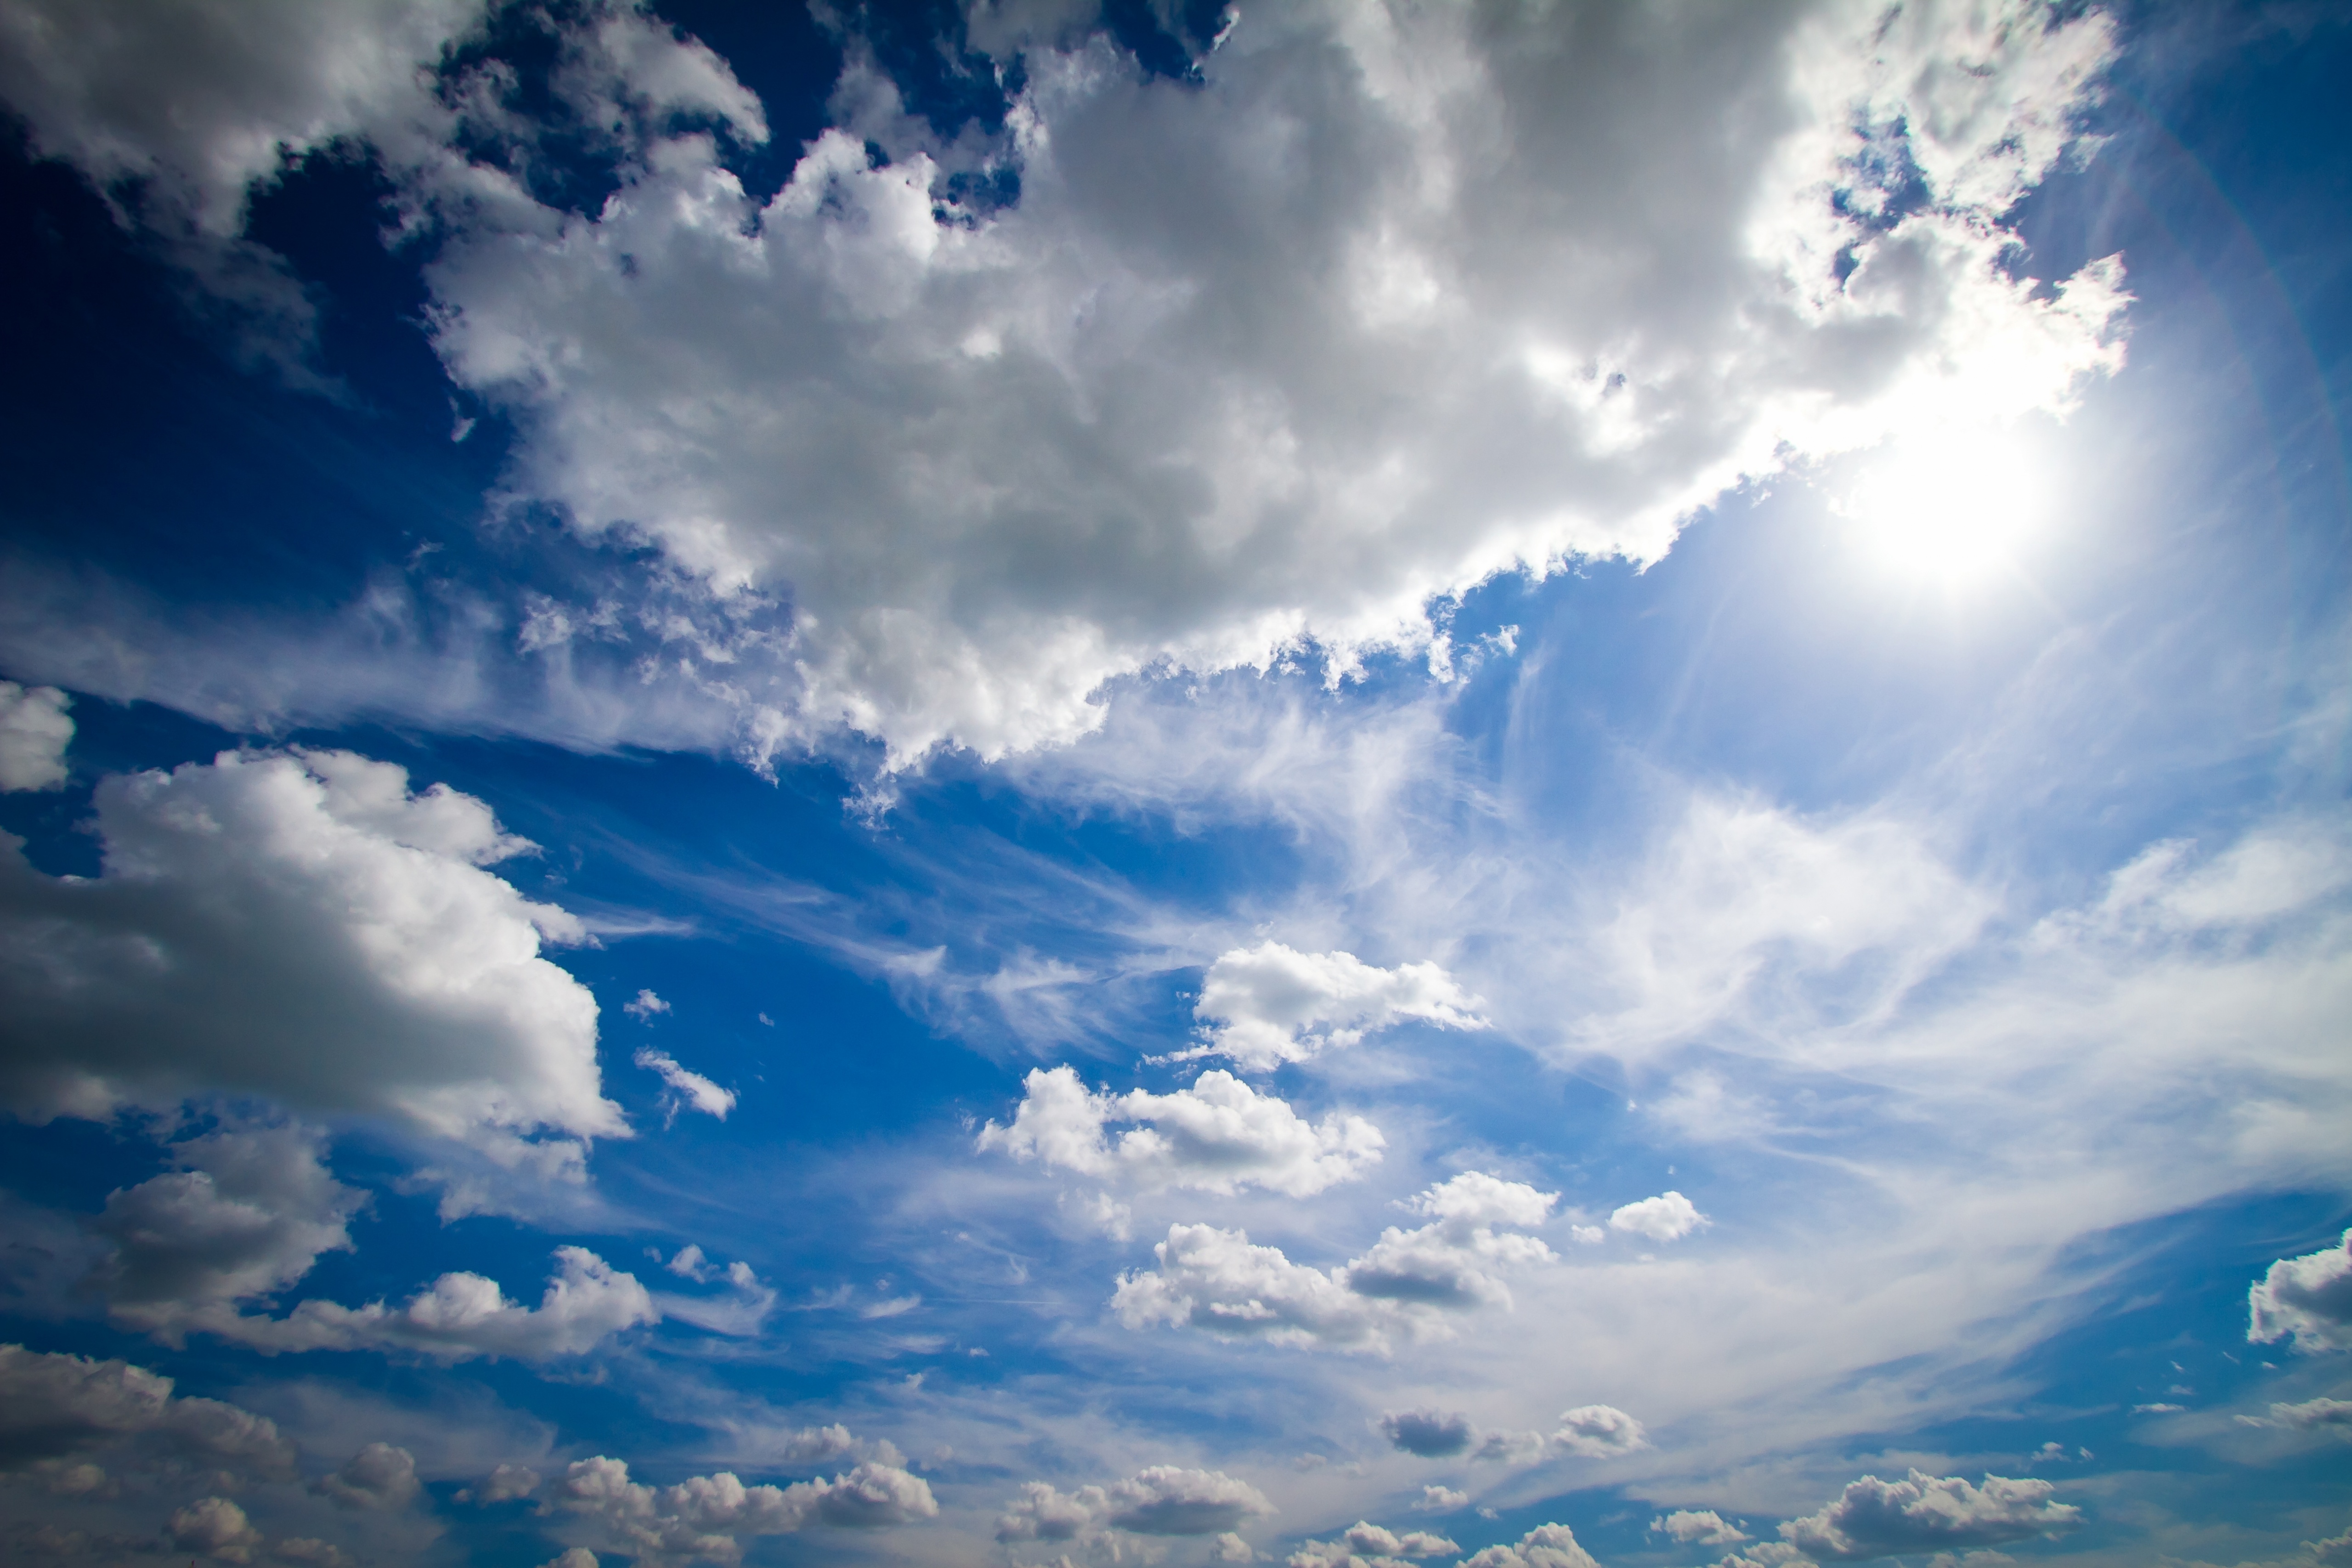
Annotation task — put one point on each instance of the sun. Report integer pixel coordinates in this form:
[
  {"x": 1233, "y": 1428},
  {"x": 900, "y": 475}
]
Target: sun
[{"x": 1954, "y": 505}]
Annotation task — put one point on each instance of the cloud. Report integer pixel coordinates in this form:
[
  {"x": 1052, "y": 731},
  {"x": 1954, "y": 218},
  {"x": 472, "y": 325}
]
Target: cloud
[
  {"x": 739, "y": 1312},
  {"x": 1704, "y": 1527},
  {"x": 1441, "y": 1500},
  {"x": 217, "y": 1528},
  {"x": 2330, "y": 1415},
  {"x": 711, "y": 1516},
  {"x": 56, "y": 1406},
  {"x": 1669, "y": 1216},
  {"x": 300, "y": 925},
  {"x": 1218, "y": 1136},
  {"x": 1371, "y": 1546},
  {"x": 1545, "y": 1546},
  {"x": 2332, "y": 1552},
  {"x": 378, "y": 1478},
  {"x": 644, "y": 1008},
  {"x": 1431, "y": 1434},
  {"x": 504, "y": 1484},
  {"x": 689, "y": 1089},
  {"x": 1927, "y": 1513},
  {"x": 1598, "y": 1432},
  {"x": 1160, "y": 1499},
  {"x": 249, "y": 1213},
  {"x": 1268, "y": 1005},
  {"x": 34, "y": 733},
  {"x": 2307, "y": 1298},
  {"x": 1219, "y": 1281}
]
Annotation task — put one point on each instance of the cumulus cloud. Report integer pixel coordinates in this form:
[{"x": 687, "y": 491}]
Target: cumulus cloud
[
  {"x": 1598, "y": 1432},
  {"x": 1220, "y": 1136},
  {"x": 1924, "y": 1513},
  {"x": 34, "y": 733},
  {"x": 300, "y": 925},
  {"x": 1545, "y": 1546},
  {"x": 1431, "y": 1434},
  {"x": 1702, "y": 1526},
  {"x": 1160, "y": 1499},
  {"x": 686, "y": 1090},
  {"x": 57, "y": 1407},
  {"x": 1268, "y": 1005},
  {"x": 1669, "y": 1216},
  {"x": 2307, "y": 1298},
  {"x": 1441, "y": 1500},
  {"x": 379, "y": 1477},
  {"x": 216, "y": 1527},
  {"x": 710, "y": 1517},
  {"x": 2333, "y": 1552},
  {"x": 1218, "y": 1280},
  {"x": 644, "y": 1007},
  {"x": 1367, "y": 1545}
]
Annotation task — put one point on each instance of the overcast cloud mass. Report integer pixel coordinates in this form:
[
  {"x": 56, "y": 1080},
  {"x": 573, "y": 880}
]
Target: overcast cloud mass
[{"x": 1352, "y": 785}]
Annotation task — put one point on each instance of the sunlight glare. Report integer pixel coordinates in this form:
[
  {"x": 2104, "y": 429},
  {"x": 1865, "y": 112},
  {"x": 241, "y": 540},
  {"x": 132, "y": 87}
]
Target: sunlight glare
[{"x": 1954, "y": 506}]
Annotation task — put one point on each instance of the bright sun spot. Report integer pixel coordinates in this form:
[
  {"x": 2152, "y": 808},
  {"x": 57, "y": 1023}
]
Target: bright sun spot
[{"x": 1953, "y": 506}]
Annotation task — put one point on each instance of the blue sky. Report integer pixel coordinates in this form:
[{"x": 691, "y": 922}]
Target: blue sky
[{"x": 1047, "y": 784}]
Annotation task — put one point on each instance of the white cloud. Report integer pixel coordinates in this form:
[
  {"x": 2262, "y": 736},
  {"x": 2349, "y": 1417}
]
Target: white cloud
[
  {"x": 2333, "y": 1552},
  {"x": 1598, "y": 1432},
  {"x": 1220, "y": 1136},
  {"x": 1431, "y": 1434},
  {"x": 2335, "y": 1415},
  {"x": 35, "y": 730},
  {"x": 1545, "y": 1546},
  {"x": 644, "y": 1008},
  {"x": 711, "y": 1516},
  {"x": 1268, "y": 1005},
  {"x": 299, "y": 925},
  {"x": 216, "y": 1527},
  {"x": 1141, "y": 435},
  {"x": 1927, "y": 1513},
  {"x": 1441, "y": 1500},
  {"x": 739, "y": 1312},
  {"x": 2307, "y": 1298},
  {"x": 1669, "y": 1216},
  {"x": 1704, "y": 1526},
  {"x": 503, "y": 1484},
  {"x": 54, "y": 1406},
  {"x": 379, "y": 1477},
  {"x": 1160, "y": 1499},
  {"x": 247, "y": 1215},
  {"x": 1365, "y": 1545},
  {"x": 1219, "y": 1281},
  {"x": 689, "y": 1089}
]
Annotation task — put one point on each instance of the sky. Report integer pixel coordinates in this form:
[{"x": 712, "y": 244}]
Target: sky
[{"x": 1337, "y": 784}]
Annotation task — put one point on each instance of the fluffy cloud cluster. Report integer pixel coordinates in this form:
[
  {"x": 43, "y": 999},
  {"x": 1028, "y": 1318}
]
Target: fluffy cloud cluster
[
  {"x": 1669, "y": 1216},
  {"x": 1220, "y": 1281},
  {"x": 1545, "y": 1546},
  {"x": 299, "y": 925},
  {"x": 1431, "y": 1434},
  {"x": 1160, "y": 1499},
  {"x": 684, "y": 1088},
  {"x": 1589, "y": 1431},
  {"x": 1268, "y": 1005},
  {"x": 1364, "y": 1546},
  {"x": 708, "y": 1517},
  {"x": 1220, "y": 1135},
  {"x": 377, "y": 1478},
  {"x": 60, "y": 1407},
  {"x": 1185, "y": 399},
  {"x": 2307, "y": 1298},
  {"x": 1703, "y": 1526},
  {"x": 1922, "y": 1513},
  {"x": 34, "y": 733}
]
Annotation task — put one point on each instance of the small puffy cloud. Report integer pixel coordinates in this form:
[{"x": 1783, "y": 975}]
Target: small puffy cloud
[
  {"x": 689, "y": 1090},
  {"x": 54, "y": 1406},
  {"x": 1441, "y": 1500},
  {"x": 1431, "y": 1434},
  {"x": 1230, "y": 1548},
  {"x": 1365, "y": 1545},
  {"x": 378, "y": 1478},
  {"x": 311, "y": 1551},
  {"x": 1924, "y": 1513},
  {"x": 214, "y": 1527},
  {"x": 1669, "y": 1216},
  {"x": 1268, "y": 1005},
  {"x": 1220, "y": 1135},
  {"x": 644, "y": 1008},
  {"x": 711, "y": 1516},
  {"x": 34, "y": 733},
  {"x": 1160, "y": 1499},
  {"x": 505, "y": 1484},
  {"x": 1598, "y": 1432},
  {"x": 1703, "y": 1526},
  {"x": 1587, "y": 1234},
  {"x": 247, "y": 1215},
  {"x": 1545, "y": 1546},
  {"x": 299, "y": 925},
  {"x": 1218, "y": 1280},
  {"x": 572, "y": 1557},
  {"x": 2307, "y": 1298}
]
